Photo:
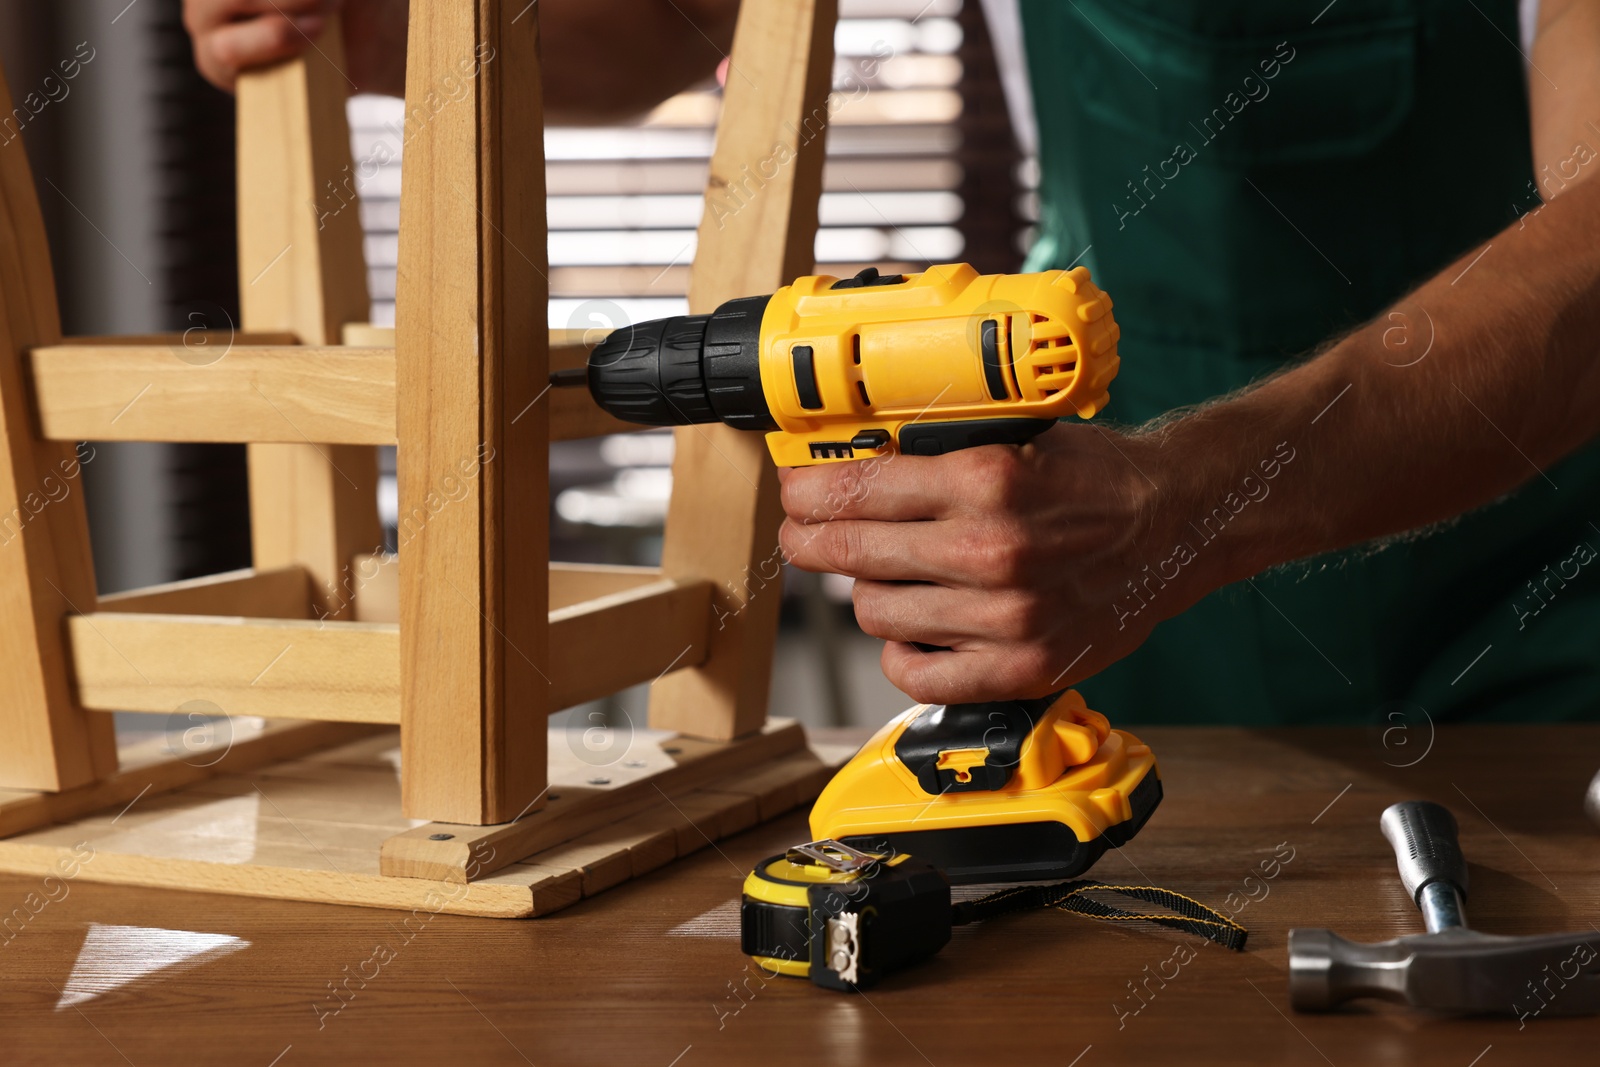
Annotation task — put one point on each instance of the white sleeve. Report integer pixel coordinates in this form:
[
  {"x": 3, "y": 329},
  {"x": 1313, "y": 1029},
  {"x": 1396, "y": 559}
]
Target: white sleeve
[{"x": 1005, "y": 29}]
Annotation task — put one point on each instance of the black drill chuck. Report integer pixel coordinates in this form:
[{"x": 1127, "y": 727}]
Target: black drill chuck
[{"x": 686, "y": 369}]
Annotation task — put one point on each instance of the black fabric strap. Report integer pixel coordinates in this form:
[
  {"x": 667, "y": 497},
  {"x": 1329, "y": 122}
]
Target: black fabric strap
[{"x": 1192, "y": 916}]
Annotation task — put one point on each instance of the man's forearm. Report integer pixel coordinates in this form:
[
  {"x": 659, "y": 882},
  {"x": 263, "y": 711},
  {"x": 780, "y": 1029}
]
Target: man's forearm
[
  {"x": 1464, "y": 391},
  {"x": 604, "y": 62}
]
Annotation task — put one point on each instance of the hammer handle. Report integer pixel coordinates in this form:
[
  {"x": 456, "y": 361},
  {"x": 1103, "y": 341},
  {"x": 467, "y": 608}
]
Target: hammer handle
[{"x": 1423, "y": 835}]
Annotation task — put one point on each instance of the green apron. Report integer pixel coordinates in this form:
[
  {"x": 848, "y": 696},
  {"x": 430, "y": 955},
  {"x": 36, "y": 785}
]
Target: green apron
[{"x": 1247, "y": 184}]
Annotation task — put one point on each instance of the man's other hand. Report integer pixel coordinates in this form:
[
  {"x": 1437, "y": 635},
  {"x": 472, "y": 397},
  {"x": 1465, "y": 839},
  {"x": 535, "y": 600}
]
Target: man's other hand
[{"x": 234, "y": 36}]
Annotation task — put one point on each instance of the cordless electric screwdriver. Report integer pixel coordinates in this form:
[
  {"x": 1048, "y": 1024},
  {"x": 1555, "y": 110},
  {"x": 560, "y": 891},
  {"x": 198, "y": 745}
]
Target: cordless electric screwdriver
[
  {"x": 839, "y": 369},
  {"x": 921, "y": 364}
]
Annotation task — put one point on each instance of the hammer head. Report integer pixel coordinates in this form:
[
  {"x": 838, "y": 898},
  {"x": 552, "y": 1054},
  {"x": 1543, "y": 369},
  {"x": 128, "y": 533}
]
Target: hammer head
[{"x": 1456, "y": 970}]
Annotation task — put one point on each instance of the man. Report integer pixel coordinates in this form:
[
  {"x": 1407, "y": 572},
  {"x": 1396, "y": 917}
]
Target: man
[{"x": 1249, "y": 179}]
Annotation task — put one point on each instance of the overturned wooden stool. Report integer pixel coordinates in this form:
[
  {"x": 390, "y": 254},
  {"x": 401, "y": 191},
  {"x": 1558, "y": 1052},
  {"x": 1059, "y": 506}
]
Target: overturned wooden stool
[{"x": 468, "y": 639}]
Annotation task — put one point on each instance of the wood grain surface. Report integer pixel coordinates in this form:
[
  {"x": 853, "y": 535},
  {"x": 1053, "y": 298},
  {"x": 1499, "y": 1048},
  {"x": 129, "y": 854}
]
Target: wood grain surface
[
  {"x": 202, "y": 386},
  {"x": 217, "y": 392},
  {"x": 284, "y": 593},
  {"x": 309, "y": 826},
  {"x": 646, "y": 973}
]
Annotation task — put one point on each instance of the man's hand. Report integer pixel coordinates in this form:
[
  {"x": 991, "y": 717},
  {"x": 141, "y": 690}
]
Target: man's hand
[
  {"x": 603, "y": 60},
  {"x": 233, "y": 36},
  {"x": 1010, "y": 565}
]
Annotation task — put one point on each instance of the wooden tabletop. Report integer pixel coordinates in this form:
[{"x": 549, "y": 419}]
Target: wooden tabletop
[{"x": 650, "y": 973}]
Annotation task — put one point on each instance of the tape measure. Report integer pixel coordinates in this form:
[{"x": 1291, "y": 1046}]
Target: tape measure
[
  {"x": 846, "y": 918},
  {"x": 841, "y": 916}
]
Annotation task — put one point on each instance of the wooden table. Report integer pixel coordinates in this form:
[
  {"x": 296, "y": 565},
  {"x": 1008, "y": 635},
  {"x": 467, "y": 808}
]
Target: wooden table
[{"x": 650, "y": 973}]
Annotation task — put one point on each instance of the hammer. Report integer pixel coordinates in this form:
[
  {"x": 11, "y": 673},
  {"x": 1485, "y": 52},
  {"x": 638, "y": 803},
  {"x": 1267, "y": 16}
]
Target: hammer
[{"x": 1449, "y": 968}]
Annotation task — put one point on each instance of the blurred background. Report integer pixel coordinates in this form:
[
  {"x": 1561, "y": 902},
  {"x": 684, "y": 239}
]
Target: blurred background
[{"x": 135, "y": 168}]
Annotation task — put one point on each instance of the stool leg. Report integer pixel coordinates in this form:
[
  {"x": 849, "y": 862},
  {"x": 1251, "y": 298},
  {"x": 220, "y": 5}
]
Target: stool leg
[
  {"x": 302, "y": 270},
  {"x": 722, "y": 523},
  {"x": 473, "y": 363},
  {"x": 47, "y": 741}
]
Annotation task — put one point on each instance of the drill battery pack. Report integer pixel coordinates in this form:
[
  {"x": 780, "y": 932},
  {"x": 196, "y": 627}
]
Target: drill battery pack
[{"x": 1006, "y": 791}]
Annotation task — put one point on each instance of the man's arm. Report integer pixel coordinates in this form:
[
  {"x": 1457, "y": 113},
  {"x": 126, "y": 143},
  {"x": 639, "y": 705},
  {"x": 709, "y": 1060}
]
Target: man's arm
[
  {"x": 1020, "y": 560},
  {"x": 1564, "y": 86},
  {"x": 603, "y": 60}
]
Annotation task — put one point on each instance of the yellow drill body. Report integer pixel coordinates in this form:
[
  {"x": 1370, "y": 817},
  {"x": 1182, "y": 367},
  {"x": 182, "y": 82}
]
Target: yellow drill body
[
  {"x": 846, "y": 368},
  {"x": 945, "y": 346}
]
